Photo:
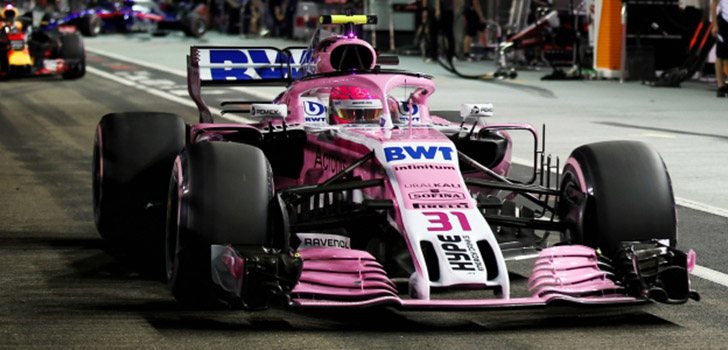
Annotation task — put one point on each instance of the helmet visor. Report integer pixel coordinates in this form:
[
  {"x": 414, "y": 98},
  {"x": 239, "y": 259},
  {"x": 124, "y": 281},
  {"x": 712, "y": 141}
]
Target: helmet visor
[
  {"x": 359, "y": 115},
  {"x": 358, "y": 111}
]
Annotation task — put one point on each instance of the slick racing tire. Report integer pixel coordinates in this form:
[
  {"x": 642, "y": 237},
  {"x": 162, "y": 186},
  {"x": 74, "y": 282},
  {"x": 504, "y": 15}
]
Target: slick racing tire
[
  {"x": 132, "y": 158},
  {"x": 614, "y": 192},
  {"x": 194, "y": 26},
  {"x": 89, "y": 25},
  {"x": 72, "y": 51},
  {"x": 219, "y": 193}
]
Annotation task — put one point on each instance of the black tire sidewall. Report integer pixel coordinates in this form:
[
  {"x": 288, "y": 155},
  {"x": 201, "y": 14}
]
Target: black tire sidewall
[
  {"x": 133, "y": 156},
  {"x": 227, "y": 191},
  {"x": 630, "y": 195},
  {"x": 192, "y": 24},
  {"x": 90, "y": 25},
  {"x": 72, "y": 51}
]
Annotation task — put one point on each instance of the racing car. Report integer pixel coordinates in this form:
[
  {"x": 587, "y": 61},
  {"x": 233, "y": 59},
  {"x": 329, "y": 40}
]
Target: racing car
[
  {"x": 341, "y": 193},
  {"x": 130, "y": 16},
  {"x": 25, "y": 51}
]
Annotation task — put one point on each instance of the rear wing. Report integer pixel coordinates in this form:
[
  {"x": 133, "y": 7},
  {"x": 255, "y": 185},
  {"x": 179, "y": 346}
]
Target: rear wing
[{"x": 242, "y": 66}]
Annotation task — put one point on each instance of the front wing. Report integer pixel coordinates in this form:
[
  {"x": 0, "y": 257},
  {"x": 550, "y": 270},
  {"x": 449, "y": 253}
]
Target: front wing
[{"x": 346, "y": 278}]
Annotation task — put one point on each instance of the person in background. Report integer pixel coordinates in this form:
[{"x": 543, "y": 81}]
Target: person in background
[
  {"x": 277, "y": 9},
  {"x": 719, "y": 16},
  {"x": 256, "y": 13},
  {"x": 474, "y": 24},
  {"x": 441, "y": 18},
  {"x": 290, "y": 17},
  {"x": 233, "y": 9},
  {"x": 422, "y": 33}
]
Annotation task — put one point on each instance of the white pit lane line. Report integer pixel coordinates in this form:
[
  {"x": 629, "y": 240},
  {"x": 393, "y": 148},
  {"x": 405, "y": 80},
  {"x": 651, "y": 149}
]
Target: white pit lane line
[
  {"x": 163, "y": 94},
  {"x": 181, "y": 73},
  {"x": 699, "y": 271}
]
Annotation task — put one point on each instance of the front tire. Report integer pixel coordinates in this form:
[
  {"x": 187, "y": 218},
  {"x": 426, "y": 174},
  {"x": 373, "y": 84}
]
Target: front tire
[
  {"x": 614, "y": 192},
  {"x": 219, "y": 193},
  {"x": 73, "y": 53}
]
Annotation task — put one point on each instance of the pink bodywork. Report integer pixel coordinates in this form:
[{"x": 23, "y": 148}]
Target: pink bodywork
[{"x": 336, "y": 277}]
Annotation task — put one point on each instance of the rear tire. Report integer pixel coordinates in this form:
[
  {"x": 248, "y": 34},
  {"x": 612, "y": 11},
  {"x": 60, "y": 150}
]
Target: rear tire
[
  {"x": 614, "y": 192},
  {"x": 72, "y": 52},
  {"x": 90, "y": 25},
  {"x": 133, "y": 156},
  {"x": 227, "y": 191},
  {"x": 194, "y": 26}
]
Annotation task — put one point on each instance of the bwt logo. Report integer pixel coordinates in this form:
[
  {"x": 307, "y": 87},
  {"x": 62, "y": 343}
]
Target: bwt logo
[
  {"x": 314, "y": 112},
  {"x": 278, "y": 70},
  {"x": 314, "y": 108},
  {"x": 404, "y": 112},
  {"x": 418, "y": 152}
]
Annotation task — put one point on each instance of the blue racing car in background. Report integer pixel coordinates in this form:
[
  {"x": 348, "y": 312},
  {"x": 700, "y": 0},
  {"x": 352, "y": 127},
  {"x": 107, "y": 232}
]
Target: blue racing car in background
[{"x": 133, "y": 16}]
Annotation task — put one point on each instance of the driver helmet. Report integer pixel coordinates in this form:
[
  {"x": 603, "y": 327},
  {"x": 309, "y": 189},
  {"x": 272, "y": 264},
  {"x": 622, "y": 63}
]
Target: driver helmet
[
  {"x": 351, "y": 104},
  {"x": 9, "y": 13}
]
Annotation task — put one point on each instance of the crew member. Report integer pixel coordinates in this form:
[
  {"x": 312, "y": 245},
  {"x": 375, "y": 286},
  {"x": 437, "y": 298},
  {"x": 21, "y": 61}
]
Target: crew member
[
  {"x": 441, "y": 20},
  {"x": 719, "y": 16},
  {"x": 474, "y": 24}
]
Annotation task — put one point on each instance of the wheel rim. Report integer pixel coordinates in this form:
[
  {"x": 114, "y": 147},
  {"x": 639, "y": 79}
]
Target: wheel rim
[
  {"x": 95, "y": 26},
  {"x": 97, "y": 171},
  {"x": 172, "y": 228},
  {"x": 199, "y": 28},
  {"x": 570, "y": 210}
]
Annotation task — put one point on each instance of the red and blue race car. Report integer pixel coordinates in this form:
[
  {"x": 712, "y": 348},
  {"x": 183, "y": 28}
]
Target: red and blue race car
[
  {"x": 347, "y": 190},
  {"x": 139, "y": 15},
  {"x": 28, "y": 51}
]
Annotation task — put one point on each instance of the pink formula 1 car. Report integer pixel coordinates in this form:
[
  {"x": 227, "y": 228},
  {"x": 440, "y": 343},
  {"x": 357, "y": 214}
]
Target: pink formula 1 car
[{"x": 348, "y": 191}]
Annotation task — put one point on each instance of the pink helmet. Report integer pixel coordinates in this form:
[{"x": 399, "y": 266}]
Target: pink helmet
[{"x": 351, "y": 104}]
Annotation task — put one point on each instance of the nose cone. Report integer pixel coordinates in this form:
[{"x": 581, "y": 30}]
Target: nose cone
[{"x": 20, "y": 58}]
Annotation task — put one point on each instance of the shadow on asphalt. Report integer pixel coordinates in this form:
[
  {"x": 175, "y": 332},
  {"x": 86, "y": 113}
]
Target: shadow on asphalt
[
  {"x": 391, "y": 321},
  {"x": 114, "y": 287}
]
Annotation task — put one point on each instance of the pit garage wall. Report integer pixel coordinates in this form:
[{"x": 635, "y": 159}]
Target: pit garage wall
[{"x": 608, "y": 38}]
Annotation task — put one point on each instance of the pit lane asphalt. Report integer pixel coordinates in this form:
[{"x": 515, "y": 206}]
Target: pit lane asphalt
[{"x": 59, "y": 287}]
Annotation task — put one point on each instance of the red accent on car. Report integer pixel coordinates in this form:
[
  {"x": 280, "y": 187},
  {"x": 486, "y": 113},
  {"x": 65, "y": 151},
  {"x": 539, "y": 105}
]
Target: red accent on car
[
  {"x": 150, "y": 16},
  {"x": 67, "y": 29},
  {"x": 16, "y": 36},
  {"x": 108, "y": 15}
]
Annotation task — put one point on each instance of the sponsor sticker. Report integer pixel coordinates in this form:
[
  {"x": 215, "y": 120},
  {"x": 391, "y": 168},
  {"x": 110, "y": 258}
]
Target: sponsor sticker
[
  {"x": 404, "y": 112},
  {"x": 400, "y": 153},
  {"x": 423, "y": 167},
  {"x": 432, "y": 185},
  {"x": 462, "y": 254},
  {"x": 251, "y": 64},
  {"x": 476, "y": 110},
  {"x": 330, "y": 162},
  {"x": 314, "y": 111},
  {"x": 309, "y": 240},
  {"x": 436, "y": 195},
  {"x": 453, "y": 205},
  {"x": 268, "y": 110}
]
